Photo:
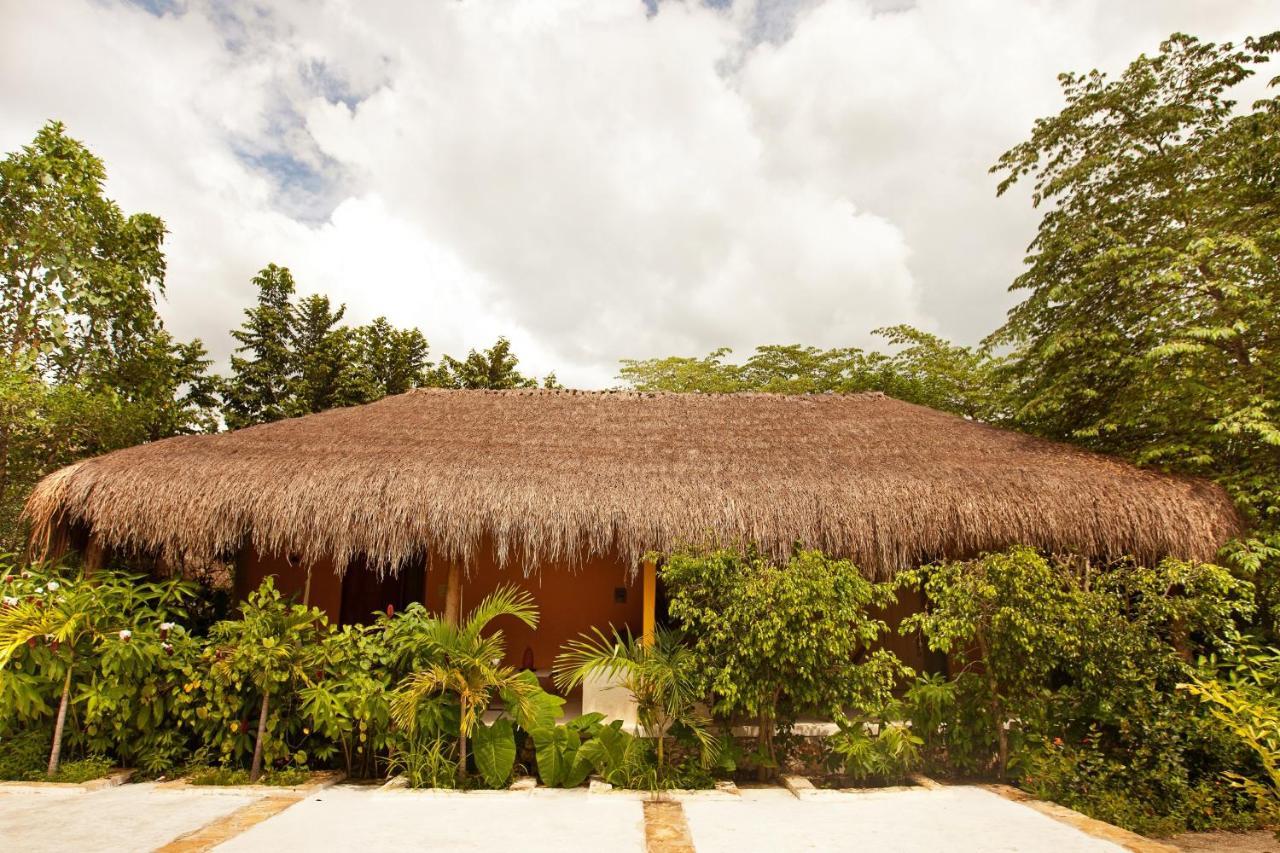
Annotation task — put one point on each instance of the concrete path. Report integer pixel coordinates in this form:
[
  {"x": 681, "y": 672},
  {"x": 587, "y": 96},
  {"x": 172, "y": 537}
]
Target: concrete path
[
  {"x": 146, "y": 817},
  {"x": 955, "y": 819},
  {"x": 345, "y": 818},
  {"x": 121, "y": 820}
]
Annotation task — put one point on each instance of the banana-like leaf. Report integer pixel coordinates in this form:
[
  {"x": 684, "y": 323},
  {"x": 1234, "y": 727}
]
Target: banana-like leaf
[{"x": 494, "y": 748}]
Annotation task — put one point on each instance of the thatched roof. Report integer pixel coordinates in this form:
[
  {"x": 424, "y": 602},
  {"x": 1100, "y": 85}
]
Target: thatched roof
[{"x": 550, "y": 476}]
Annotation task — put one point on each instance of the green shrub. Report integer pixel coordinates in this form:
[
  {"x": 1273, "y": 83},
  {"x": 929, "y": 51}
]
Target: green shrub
[
  {"x": 887, "y": 754},
  {"x": 773, "y": 641},
  {"x": 1066, "y": 676}
]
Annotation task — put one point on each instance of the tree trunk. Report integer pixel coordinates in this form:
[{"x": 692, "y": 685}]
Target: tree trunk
[
  {"x": 764, "y": 746},
  {"x": 255, "y": 769},
  {"x": 462, "y": 754},
  {"x": 306, "y": 590},
  {"x": 997, "y": 707},
  {"x": 55, "y": 753}
]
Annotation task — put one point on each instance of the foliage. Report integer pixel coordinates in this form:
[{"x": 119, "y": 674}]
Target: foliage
[
  {"x": 264, "y": 653},
  {"x": 85, "y": 363},
  {"x": 286, "y": 778},
  {"x": 98, "y": 649},
  {"x": 887, "y": 754},
  {"x": 1246, "y": 699},
  {"x": 661, "y": 674},
  {"x": 558, "y": 748},
  {"x": 1152, "y": 310},
  {"x": 923, "y": 369},
  {"x": 494, "y": 369},
  {"x": 466, "y": 668},
  {"x": 426, "y": 763},
  {"x": 775, "y": 641},
  {"x": 1067, "y": 673}
]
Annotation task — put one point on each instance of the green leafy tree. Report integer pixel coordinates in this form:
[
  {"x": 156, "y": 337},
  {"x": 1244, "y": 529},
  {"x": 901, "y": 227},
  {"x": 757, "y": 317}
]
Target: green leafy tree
[
  {"x": 62, "y": 630},
  {"x": 1152, "y": 313},
  {"x": 922, "y": 369},
  {"x": 772, "y": 641},
  {"x": 494, "y": 369},
  {"x": 85, "y": 363},
  {"x": 269, "y": 647},
  {"x": 260, "y": 386},
  {"x": 394, "y": 360},
  {"x": 328, "y": 373}
]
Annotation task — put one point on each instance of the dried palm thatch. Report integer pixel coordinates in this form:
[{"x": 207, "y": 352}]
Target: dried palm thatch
[{"x": 549, "y": 477}]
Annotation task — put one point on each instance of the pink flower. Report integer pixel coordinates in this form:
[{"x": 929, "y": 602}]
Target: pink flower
[{"x": 125, "y": 635}]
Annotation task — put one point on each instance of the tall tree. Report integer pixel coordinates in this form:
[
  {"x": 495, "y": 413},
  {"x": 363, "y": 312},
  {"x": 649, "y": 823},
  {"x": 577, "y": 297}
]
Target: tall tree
[
  {"x": 394, "y": 360},
  {"x": 494, "y": 368},
  {"x": 1151, "y": 325},
  {"x": 261, "y": 382},
  {"x": 923, "y": 369},
  {"x": 327, "y": 372},
  {"x": 86, "y": 365}
]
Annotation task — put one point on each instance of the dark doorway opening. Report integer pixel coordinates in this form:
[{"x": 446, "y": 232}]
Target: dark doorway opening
[{"x": 366, "y": 593}]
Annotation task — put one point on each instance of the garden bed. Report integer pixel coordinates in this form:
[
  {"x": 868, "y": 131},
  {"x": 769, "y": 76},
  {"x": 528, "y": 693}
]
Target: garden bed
[
  {"x": 238, "y": 780},
  {"x": 109, "y": 779}
]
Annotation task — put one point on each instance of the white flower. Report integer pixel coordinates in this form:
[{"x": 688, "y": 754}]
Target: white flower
[
  {"x": 53, "y": 586},
  {"x": 39, "y": 590},
  {"x": 125, "y": 635},
  {"x": 166, "y": 626},
  {"x": 10, "y": 601}
]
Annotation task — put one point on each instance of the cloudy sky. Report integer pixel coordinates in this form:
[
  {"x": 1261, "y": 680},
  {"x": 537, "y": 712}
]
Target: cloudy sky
[{"x": 594, "y": 179}]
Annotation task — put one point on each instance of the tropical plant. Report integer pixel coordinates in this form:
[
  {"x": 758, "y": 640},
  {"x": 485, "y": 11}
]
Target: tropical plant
[
  {"x": 269, "y": 648},
  {"x": 887, "y": 751},
  {"x": 466, "y": 667},
  {"x": 65, "y": 629},
  {"x": 1246, "y": 700},
  {"x": 772, "y": 641},
  {"x": 661, "y": 674}
]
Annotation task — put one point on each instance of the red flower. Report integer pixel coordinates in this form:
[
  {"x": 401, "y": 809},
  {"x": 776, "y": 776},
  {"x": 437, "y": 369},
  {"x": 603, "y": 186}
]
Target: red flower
[{"x": 391, "y": 610}]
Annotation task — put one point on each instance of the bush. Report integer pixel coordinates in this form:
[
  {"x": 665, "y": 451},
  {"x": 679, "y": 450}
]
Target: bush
[
  {"x": 1067, "y": 675},
  {"x": 772, "y": 642}
]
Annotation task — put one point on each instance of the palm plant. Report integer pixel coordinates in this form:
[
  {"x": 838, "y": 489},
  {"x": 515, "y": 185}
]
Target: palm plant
[
  {"x": 660, "y": 674},
  {"x": 467, "y": 666}
]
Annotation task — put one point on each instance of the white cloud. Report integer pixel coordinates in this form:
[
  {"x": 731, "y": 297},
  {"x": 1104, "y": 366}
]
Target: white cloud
[{"x": 594, "y": 181}]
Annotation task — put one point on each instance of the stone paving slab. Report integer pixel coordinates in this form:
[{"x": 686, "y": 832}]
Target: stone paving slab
[
  {"x": 121, "y": 819},
  {"x": 955, "y": 819},
  {"x": 345, "y": 819}
]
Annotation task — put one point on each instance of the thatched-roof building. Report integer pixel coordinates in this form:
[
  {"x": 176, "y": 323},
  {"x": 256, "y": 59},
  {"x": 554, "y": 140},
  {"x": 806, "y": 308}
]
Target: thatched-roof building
[{"x": 569, "y": 490}]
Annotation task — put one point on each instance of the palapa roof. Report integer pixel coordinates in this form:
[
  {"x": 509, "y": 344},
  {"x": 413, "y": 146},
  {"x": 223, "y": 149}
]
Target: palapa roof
[{"x": 549, "y": 477}]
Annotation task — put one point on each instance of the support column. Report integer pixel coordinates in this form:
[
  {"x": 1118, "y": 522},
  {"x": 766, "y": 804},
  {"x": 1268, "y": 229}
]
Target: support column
[
  {"x": 453, "y": 595},
  {"x": 650, "y": 602},
  {"x": 95, "y": 555}
]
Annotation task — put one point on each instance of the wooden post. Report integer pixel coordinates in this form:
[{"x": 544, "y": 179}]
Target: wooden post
[
  {"x": 650, "y": 601},
  {"x": 95, "y": 555},
  {"x": 453, "y": 595}
]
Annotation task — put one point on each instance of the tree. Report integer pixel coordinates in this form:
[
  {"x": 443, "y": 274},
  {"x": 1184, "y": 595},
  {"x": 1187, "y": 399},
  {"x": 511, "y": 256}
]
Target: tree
[
  {"x": 775, "y": 641},
  {"x": 924, "y": 369},
  {"x": 260, "y": 387},
  {"x": 328, "y": 374},
  {"x": 269, "y": 645},
  {"x": 85, "y": 363},
  {"x": 57, "y": 627},
  {"x": 661, "y": 674},
  {"x": 394, "y": 360},
  {"x": 494, "y": 368},
  {"x": 1151, "y": 324}
]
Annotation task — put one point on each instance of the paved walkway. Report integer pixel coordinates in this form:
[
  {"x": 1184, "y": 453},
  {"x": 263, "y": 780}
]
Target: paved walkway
[{"x": 145, "y": 817}]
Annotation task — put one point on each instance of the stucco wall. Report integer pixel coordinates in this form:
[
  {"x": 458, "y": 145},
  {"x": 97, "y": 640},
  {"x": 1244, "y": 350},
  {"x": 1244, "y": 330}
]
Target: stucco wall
[{"x": 569, "y": 602}]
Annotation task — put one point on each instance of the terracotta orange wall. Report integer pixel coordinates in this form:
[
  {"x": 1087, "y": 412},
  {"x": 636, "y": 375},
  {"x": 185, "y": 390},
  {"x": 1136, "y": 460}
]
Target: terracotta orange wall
[
  {"x": 326, "y": 587},
  {"x": 570, "y": 602},
  {"x": 909, "y": 648}
]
